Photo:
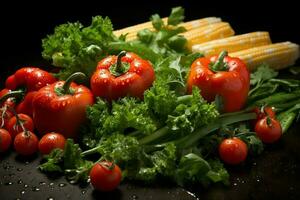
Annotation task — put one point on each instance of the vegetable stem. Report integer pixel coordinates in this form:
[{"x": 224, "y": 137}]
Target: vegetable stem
[
  {"x": 278, "y": 98},
  {"x": 90, "y": 151},
  {"x": 184, "y": 99},
  {"x": 220, "y": 65},
  {"x": 157, "y": 134},
  {"x": 70, "y": 79},
  {"x": 16, "y": 93},
  {"x": 119, "y": 61},
  {"x": 190, "y": 139}
]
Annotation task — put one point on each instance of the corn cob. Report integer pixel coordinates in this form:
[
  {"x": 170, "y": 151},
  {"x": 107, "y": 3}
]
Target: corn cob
[
  {"x": 234, "y": 43},
  {"x": 208, "y": 33},
  {"x": 277, "y": 56},
  {"x": 132, "y": 30}
]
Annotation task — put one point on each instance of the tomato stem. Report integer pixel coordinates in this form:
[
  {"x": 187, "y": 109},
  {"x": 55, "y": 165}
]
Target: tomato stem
[
  {"x": 269, "y": 122},
  {"x": 19, "y": 122},
  {"x": 3, "y": 109},
  {"x": 108, "y": 165},
  {"x": 11, "y": 94},
  {"x": 220, "y": 65},
  {"x": 66, "y": 87}
]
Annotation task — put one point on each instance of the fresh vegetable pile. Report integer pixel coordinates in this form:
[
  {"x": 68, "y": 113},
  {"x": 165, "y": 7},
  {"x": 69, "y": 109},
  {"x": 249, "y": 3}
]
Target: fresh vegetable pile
[{"x": 147, "y": 109}]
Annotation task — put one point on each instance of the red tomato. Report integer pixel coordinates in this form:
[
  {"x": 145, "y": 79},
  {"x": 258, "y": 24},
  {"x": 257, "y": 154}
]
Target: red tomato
[
  {"x": 26, "y": 143},
  {"x": 267, "y": 111},
  {"x": 105, "y": 176},
  {"x": 233, "y": 151},
  {"x": 5, "y": 140},
  {"x": 8, "y": 102},
  {"x": 13, "y": 128},
  {"x": 51, "y": 141},
  {"x": 268, "y": 129}
]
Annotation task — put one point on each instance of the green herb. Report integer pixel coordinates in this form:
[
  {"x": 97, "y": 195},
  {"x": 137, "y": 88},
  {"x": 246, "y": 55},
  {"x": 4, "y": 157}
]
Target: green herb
[{"x": 74, "y": 47}]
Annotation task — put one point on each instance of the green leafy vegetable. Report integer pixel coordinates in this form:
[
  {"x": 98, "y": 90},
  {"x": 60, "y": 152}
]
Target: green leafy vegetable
[
  {"x": 53, "y": 161},
  {"x": 165, "y": 40},
  {"x": 76, "y": 48},
  {"x": 160, "y": 163},
  {"x": 191, "y": 168},
  {"x": 191, "y": 115},
  {"x": 176, "y": 16},
  {"x": 124, "y": 114},
  {"x": 263, "y": 73},
  {"x": 160, "y": 99}
]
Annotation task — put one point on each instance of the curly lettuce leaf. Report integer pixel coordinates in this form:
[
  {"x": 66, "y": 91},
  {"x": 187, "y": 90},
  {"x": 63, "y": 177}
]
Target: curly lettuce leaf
[
  {"x": 160, "y": 163},
  {"x": 52, "y": 161},
  {"x": 160, "y": 99},
  {"x": 74, "y": 47},
  {"x": 126, "y": 113},
  {"x": 192, "y": 114}
]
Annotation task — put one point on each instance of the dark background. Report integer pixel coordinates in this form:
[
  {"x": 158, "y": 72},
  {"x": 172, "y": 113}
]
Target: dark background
[{"x": 273, "y": 175}]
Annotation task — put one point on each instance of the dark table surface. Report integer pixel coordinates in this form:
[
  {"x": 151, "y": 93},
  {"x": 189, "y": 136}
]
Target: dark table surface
[{"x": 273, "y": 175}]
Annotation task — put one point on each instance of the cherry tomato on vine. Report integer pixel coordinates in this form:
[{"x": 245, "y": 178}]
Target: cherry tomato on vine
[
  {"x": 268, "y": 129},
  {"x": 5, "y": 140},
  {"x": 26, "y": 143},
  {"x": 51, "y": 141},
  {"x": 105, "y": 176},
  {"x": 233, "y": 151},
  {"x": 5, "y": 116},
  {"x": 13, "y": 127},
  {"x": 264, "y": 111}
]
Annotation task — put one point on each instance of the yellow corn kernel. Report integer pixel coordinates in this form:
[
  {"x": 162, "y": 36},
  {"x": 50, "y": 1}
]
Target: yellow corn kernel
[
  {"x": 233, "y": 43},
  {"x": 133, "y": 30},
  {"x": 194, "y": 24},
  {"x": 277, "y": 56},
  {"x": 208, "y": 33}
]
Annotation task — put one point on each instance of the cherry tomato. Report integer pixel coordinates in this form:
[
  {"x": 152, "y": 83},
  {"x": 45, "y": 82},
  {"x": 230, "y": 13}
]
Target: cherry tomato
[
  {"x": 268, "y": 129},
  {"x": 233, "y": 151},
  {"x": 105, "y": 176},
  {"x": 51, "y": 141},
  {"x": 265, "y": 111},
  {"x": 13, "y": 128},
  {"x": 8, "y": 102},
  {"x": 5, "y": 140},
  {"x": 26, "y": 143}
]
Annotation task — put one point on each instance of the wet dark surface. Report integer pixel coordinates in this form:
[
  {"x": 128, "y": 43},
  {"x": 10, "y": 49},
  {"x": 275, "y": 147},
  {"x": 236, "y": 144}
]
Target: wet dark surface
[{"x": 273, "y": 175}]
